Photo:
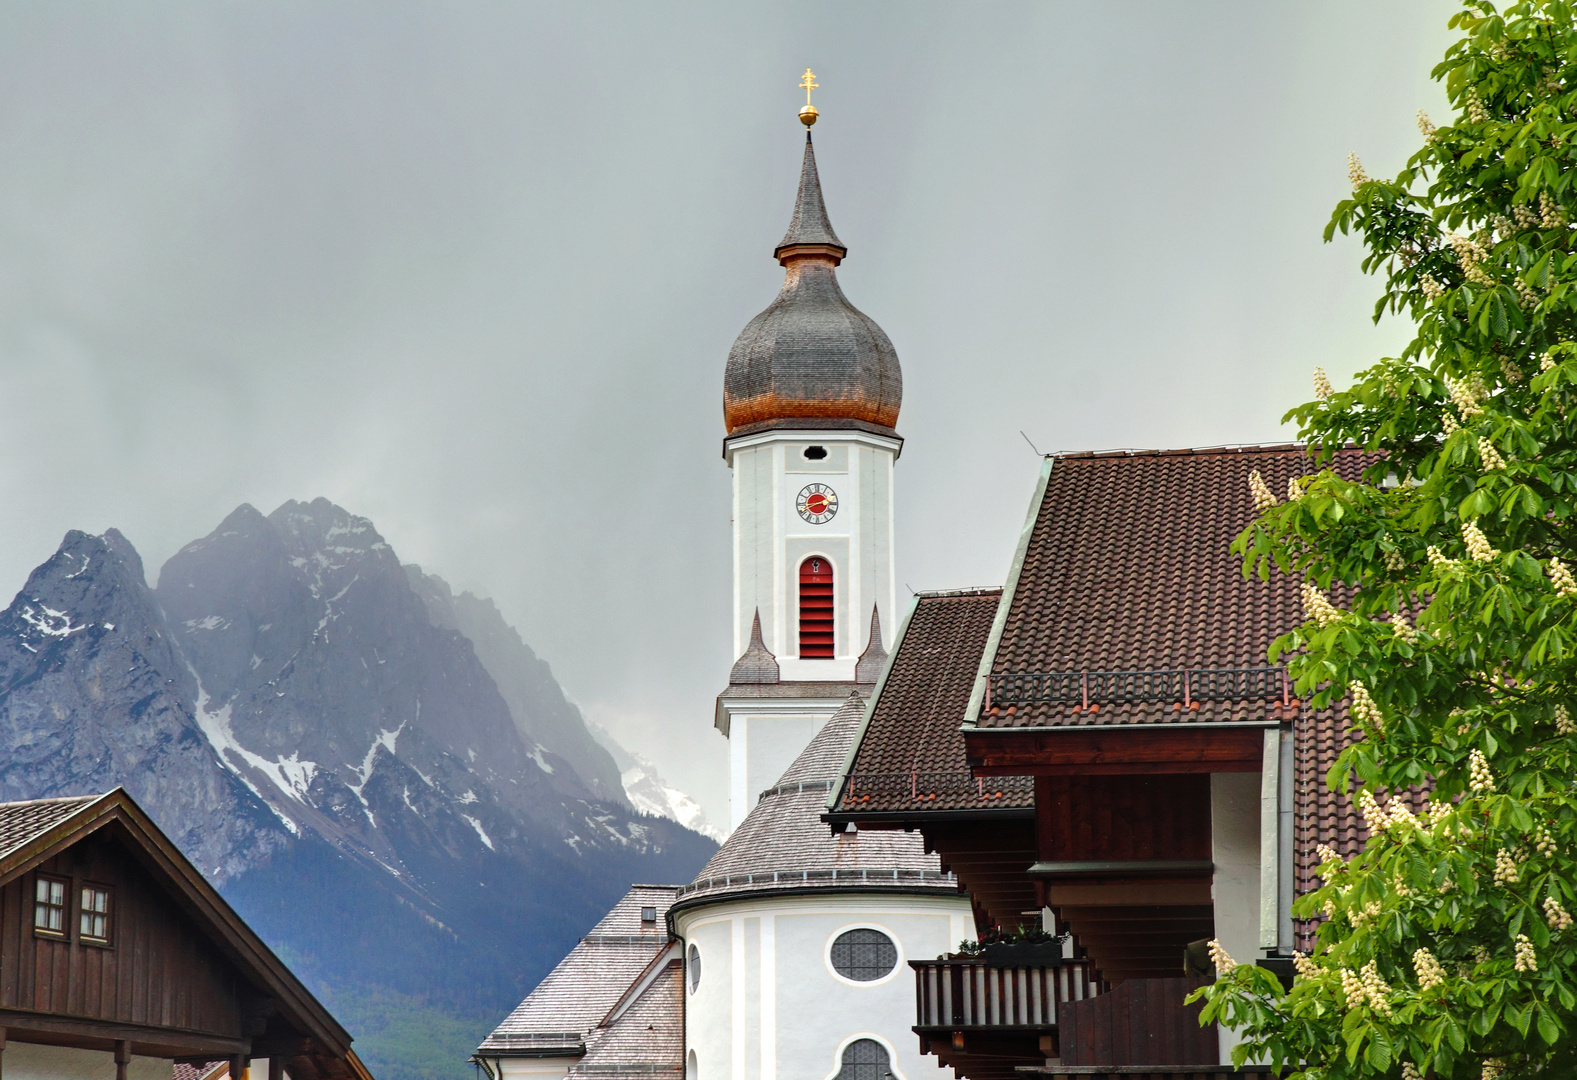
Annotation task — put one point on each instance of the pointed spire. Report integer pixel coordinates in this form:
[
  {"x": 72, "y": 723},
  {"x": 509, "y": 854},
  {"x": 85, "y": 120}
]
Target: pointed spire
[
  {"x": 874, "y": 658},
  {"x": 810, "y": 226},
  {"x": 756, "y": 664}
]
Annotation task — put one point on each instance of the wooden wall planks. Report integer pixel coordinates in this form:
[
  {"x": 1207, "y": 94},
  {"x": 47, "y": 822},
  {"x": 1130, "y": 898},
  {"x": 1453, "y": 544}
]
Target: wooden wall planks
[{"x": 157, "y": 971}]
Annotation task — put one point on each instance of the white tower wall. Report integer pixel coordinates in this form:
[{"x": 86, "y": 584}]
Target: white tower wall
[{"x": 771, "y": 540}]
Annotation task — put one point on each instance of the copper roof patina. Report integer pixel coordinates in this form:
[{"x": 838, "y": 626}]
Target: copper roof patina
[{"x": 811, "y": 359}]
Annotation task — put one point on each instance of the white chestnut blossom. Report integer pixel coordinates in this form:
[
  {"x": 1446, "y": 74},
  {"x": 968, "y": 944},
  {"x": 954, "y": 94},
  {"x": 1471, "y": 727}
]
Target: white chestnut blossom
[
  {"x": 1355, "y": 172},
  {"x": 1543, "y": 842},
  {"x": 1449, "y": 425},
  {"x": 1430, "y": 973},
  {"x": 1505, "y": 868},
  {"x": 1365, "y": 711},
  {"x": 1551, "y": 216},
  {"x": 1556, "y": 915},
  {"x": 1403, "y": 629},
  {"x": 1322, "y": 384},
  {"x": 1431, "y": 288},
  {"x": 1437, "y": 558},
  {"x": 1525, "y": 216},
  {"x": 1563, "y": 721},
  {"x": 1264, "y": 498},
  {"x": 1546, "y": 362},
  {"x": 1489, "y": 455},
  {"x": 1218, "y": 956},
  {"x": 1561, "y": 578},
  {"x": 1480, "y": 779},
  {"x": 1425, "y": 127},
  {"x": 1317, "y": 606},
  {"x": 1305, "y": 966},
  {"x": 1526, "y": 959},
  {"x": 1475, "y": 106},
  {"x": 1477, "y": 543}
]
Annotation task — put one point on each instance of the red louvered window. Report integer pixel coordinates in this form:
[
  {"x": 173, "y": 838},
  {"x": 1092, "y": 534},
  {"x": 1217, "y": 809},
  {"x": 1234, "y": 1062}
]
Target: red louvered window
[{"x": 815, "y": 609}]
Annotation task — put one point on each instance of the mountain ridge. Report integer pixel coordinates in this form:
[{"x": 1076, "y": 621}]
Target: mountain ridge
[{"x": 304, "y": 716}]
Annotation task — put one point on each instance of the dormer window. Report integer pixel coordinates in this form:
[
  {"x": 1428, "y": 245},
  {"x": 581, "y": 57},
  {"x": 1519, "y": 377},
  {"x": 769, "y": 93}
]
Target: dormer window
[
  {"x": 49, "y": 906},
  {"x": 648, "y": 916},
  {"x": 815, "y": 609}
]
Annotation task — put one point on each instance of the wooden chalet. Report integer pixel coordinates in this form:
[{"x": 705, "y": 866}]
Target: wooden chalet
[
  {"x": 118, "y": 959},
  {"x": 1103, "y": 744}
]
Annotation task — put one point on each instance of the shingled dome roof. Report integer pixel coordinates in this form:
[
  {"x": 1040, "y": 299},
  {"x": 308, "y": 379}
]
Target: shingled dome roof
[
  {"x": 811, "y": 359},
  {"x": 784, "y": 846}
]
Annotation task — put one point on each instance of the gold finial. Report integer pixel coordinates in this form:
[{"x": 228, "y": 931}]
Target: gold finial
[{"x": 807, "y": 115}]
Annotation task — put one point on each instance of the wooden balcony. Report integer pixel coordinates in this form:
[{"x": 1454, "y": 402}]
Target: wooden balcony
[{"x": 985, "y": 1019}]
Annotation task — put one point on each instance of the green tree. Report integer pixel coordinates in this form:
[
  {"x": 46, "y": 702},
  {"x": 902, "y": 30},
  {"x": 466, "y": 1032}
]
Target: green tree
[{"x": 1439, "y": 601}]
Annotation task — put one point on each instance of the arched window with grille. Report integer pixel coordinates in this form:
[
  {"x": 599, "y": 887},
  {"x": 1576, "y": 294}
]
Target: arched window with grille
[
  {"x": 865, "y": 1059},
  {"x": 815, "y": 609}
]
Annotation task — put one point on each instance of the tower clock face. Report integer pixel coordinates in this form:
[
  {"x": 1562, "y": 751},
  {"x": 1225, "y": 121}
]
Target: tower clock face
[{"x": 817, "y": 503}]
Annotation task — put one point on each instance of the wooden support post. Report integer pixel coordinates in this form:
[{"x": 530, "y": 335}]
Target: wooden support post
[
  {"x": 2, "y": 1051},
  {"x": 238, "y": 1068},
  {"x": 276, "y": 1067},
  {"x": 122, "y": 1058}
]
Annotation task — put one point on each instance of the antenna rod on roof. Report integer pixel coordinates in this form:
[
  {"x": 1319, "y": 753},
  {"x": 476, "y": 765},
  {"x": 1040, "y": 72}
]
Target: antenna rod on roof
[{"x": 1032, "y": 446}]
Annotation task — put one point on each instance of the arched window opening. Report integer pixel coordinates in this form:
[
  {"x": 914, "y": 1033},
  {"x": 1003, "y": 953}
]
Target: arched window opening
[
  {"x": 865, "y": 1059},
  {"x": 815, "y": 609}
]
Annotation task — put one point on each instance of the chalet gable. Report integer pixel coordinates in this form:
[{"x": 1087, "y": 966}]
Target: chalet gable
[{"x": 111, "y": 940}]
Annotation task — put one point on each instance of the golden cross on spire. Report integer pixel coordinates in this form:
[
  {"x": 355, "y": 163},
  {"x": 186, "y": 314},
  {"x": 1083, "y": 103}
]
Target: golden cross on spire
[{"x": 807, "y": 115}]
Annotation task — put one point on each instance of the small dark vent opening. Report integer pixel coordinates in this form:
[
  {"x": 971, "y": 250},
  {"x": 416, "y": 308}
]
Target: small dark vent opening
[
  {"x": 815, "y": 609},
  {"x": 648, "y": 914},
  {"x": 815, "y": 453}
]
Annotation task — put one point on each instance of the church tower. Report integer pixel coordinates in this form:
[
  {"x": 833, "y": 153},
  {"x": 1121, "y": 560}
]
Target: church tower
[{"x": 810, "y": 403}]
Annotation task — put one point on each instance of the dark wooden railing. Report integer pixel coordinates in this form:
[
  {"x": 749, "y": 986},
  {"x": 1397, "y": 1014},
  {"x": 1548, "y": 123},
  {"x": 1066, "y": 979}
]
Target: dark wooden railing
[
  {"x": 925, "y": 786},
  {"x": 1183, "y": 685},
  {"x": 965, "y": 992}
]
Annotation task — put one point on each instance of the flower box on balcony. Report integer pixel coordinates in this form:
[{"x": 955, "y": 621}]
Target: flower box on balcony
[{"x": 1021, "y": 954}]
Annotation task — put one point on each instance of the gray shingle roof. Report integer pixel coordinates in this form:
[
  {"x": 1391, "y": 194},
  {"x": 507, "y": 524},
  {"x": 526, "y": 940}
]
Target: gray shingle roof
[
  {"x": 567, "y": 1006},
  {"x": 22, "y": 821},
  {"x": 809, "y": 224},
  {"x": 646, "y": 1037},
  {"x": 784, "y": 844}
]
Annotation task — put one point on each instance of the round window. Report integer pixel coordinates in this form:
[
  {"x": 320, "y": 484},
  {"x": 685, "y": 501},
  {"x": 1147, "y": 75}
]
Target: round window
[
  {"x": 693, "y": 964},
  {"x": 864, "y": 955}
]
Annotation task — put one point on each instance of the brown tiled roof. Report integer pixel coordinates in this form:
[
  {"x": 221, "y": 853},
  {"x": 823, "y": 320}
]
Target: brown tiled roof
[
  {"x": 22, "y": 821},
  {"x": 1128, "y": 568},
  {"x": 910, "y": 755}
]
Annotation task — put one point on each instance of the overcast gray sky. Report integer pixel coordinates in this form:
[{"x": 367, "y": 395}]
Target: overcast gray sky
[{"x": 473, "y": 269}]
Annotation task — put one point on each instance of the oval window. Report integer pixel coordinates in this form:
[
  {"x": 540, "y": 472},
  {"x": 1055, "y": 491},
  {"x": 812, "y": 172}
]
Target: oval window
[
  {"x": 693, "y": 966},
  {"x": 864, "y": 955}
]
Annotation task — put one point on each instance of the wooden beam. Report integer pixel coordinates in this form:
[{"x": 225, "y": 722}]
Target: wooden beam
[
  {"x": 1112, "y": 751},
  {"x": 1128, "y": 894},
  {"x": 28, "y": 1027}
]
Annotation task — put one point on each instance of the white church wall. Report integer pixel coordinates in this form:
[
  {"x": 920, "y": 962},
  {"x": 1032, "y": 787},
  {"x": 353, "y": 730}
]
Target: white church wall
[
  {"x": 1235, "y": 888},
  {"x": 785, "y": 1013},
  {"x": 524, "y": 1068},
  {"x": 755, "y": 544},
  {"x": 29, "y": 1061}
]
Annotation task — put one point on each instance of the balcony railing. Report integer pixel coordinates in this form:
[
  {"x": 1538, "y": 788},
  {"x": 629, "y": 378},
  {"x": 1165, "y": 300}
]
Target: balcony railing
[
  {"x": 1182, "y": 685},
  {"x": 929, "y": 786},
  {"x": 966, "y": 992}
]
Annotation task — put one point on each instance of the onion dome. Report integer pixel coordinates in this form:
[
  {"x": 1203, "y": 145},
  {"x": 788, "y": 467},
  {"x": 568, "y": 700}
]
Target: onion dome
[
  {"x": 811, "y": 359},
  {"x": 784, "y": 845}
]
